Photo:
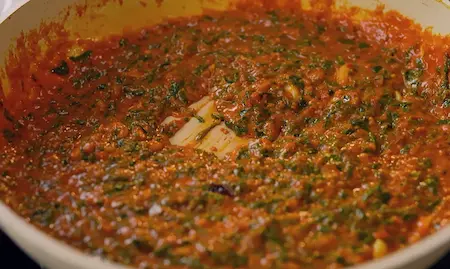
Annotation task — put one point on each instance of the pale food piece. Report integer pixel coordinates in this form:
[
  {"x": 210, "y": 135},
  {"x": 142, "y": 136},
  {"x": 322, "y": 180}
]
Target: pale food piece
[
  {"x": 201, "y": 122},
  {"x": 293, "y": 92},
  {"x": 195, "y": 107},
  {"x": 342, "y": 74},
  {"x": 221, "y": 140},
  {"x": 205, "y": 132},
  {"x": 380, "y": 249}
]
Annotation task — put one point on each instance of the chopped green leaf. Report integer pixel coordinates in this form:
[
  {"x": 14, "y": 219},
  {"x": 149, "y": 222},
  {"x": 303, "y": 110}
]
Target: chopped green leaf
[
  {"x": 363, "y": 45},
  {"x": 62, "y": 69},
  {"x": 82, "y": 57},
  {"x": 346, "y": 41},
  {"x": 377, "y": 68}
]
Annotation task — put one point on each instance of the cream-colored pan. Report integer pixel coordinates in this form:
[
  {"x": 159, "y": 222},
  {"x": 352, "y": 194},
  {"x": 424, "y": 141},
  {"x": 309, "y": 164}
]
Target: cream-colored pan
[{"x": 209, "y": 134}]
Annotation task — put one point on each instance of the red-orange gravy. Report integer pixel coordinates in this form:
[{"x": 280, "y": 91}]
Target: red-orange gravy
[{"x": 349, "y": 164}]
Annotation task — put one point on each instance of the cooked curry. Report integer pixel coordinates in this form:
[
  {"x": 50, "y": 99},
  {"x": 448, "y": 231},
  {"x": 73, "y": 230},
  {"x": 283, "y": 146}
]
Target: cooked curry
[{"x": 343, "y": 128}]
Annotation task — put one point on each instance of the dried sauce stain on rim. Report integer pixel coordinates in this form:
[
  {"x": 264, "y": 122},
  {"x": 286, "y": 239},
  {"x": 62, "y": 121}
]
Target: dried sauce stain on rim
[{"x": 347, "y": 161}]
